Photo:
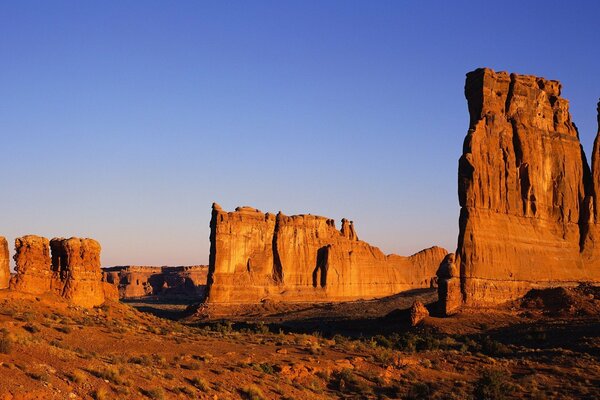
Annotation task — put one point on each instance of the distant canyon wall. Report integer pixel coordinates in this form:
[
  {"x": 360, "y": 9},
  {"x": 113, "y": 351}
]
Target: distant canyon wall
[
  {"x": 138, "y": 281},
  {"x": 69, "y": 268},
  {"x": 256, "y": 256},
  {"x": 529, "y": 212}
]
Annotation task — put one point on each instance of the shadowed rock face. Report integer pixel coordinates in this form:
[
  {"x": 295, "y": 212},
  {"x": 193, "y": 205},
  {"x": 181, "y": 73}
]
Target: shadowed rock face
[
  {"x": 71, "y": 269},
  {"x": 139, "y": 281},
  {"x": 525, "y": 189},
  {"x": 256, "y": 256},
  {"x": 4, "y": 263}
]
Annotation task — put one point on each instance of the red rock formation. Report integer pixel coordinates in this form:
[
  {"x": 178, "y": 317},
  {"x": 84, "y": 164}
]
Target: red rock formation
[
  {"x": 449, "y": 293},
  {"x": 524, "y": 190},
  {"x": 139, "y": 281},
  {"x": 256, "y": 256},
  {"x": 33, "y": 266},
  {"x": 4, "y": 263},
  {"x": 72, "y": 272},
  {"x": 77, "y": 262},
  {"x": 418, "y": 312}
]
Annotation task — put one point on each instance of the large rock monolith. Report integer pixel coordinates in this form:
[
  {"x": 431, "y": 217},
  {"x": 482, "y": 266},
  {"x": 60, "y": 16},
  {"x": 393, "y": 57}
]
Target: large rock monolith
[
  {"x": 4, "y": 263},
  {"x": 525, "y": 190},
  {"x": 256, "y": 256}
]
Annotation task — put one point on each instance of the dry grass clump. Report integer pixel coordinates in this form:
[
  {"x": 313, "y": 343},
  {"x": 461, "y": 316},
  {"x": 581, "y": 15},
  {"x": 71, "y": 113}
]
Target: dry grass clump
[{"x": 252, "y": 392}]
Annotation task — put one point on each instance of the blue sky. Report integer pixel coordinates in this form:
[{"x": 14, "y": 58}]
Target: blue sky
[{"x": 123, "y": 121}]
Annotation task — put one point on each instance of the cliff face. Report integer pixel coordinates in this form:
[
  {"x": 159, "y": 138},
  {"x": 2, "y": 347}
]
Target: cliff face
[
  {"x": 256, "y": 256},
  {"x": 525, "y": 190},
  {"x": 139, "y": 281},
  {"x": 69, "y": 268},
  {"x": 4, "y": 263}
]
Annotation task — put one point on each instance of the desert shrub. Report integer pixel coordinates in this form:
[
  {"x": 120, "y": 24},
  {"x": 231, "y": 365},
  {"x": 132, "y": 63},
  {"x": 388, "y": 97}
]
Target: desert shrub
[
  {"x": 346, "y": 382},
  {"x": 493, "y": 385},
  {"x": 264, "y": 367},
  {"x": 100, "y": 394},
  {"x": 6, "y": 343},
  {"x": 111, "y": 374},
  {"x": 252, "y": 392},
  {"x": 76, "y": 376},
  {"x": 154, "y": 394},
  {"x": 192, "y": 366},
  {"x": 38, "y": 376},
  {"x": 494, "y": 348},
  {"x": 419, "y": 391},
  {"x": 63, "y": 329},
  {"x": 185, "y": 390},
  {"x": 199, "y": 383},
  {"x": 31, "y": 328},
  {"x": 144, "y": 359}
]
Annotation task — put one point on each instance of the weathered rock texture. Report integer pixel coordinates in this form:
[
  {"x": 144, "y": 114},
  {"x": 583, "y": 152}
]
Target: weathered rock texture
[
  {"x": 139, "y": 281},
  {"x": 33, "y": 265},
  {"x": 256, "y": 256},
  {"x": 418, "y": 312},
  {"x": 449, "y": 293},
  {"x": 69, "y": 268},
  {"x": 4, "y": 263},
  {"x": 528, "y": 215}
]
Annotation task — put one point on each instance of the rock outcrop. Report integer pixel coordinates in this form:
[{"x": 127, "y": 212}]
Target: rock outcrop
[
  {"x": 4, "y": 263},
  {"x": 139, "y": 281},
  {"x": 69, "y": 268},
  {"x": 418, "y": 312},
  {"x": 449, "y": 293},
  {"x": 528, "y": 216},
  {"x": 33, "y": 267},
  {"x": 256, "y": 256}
]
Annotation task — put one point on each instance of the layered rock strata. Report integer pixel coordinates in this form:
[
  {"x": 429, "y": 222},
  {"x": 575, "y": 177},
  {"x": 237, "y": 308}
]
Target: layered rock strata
[
  {"x": 69, "y": 268},
  {"x": 528, "y": 216},
  {"x": 139, "y": 281},
  {"x": 256, "y": 256},
  {"x": 4, "y": 263}
]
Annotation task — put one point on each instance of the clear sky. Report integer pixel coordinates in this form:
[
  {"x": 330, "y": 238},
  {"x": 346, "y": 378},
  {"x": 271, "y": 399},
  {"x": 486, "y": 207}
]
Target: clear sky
[{"x": 124, "y": 120}]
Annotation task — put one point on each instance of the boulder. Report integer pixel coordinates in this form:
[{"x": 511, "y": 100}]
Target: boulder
[
  {"x": 256, "y": 257},
  {"x": 418, "y": 312}
]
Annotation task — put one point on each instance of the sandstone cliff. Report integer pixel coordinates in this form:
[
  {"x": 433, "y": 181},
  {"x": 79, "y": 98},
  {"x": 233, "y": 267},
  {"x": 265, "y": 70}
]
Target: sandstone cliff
[
  {"x": 525, "y": 190},
  {"x": 139, "y": 281},
  {"x": 4, "y": 263},
  {"x": 69, "y": 268},
  {"x": 256, "y": 256}
]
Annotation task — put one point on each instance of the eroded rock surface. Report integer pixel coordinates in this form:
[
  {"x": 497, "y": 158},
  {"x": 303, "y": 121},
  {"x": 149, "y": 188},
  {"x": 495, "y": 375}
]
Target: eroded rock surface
[
  {"x": 256, "y": 256},
  {"x": 525, "y": 189},
  {"x": 139, "y": 281},
  {"x": 69, "y": 268},
  {"x": 449, "y": 294},
  {"x": 4, "y": 263},
  {"x": 418, "y": 312}
]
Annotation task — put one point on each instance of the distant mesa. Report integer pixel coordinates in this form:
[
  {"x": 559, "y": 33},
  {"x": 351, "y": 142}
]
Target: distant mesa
[
  {"x": 140, "y": 281},
  {"x": 529, "y": 201},
  {"x": 303, "y": 258}
]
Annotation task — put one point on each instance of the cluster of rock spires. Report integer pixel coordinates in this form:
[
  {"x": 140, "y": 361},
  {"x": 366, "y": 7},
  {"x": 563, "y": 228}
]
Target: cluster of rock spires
[
  {"x": 133, "y": 281},
  {"x": 530, "y": 218},
  {"x": 529, "y": 201},
  {"x": 69, "y": 268},
  {"x": 304, "y": 258}
]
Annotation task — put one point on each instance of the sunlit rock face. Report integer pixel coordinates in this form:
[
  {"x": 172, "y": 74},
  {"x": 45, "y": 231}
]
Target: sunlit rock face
[
  {"x": 69, "y": 268},
  {"x": 4, "y": 263},
  {"x": 256, "y": 256},
  {"x": 525, "y": 189},
  {"x": 33, "y": 265}
]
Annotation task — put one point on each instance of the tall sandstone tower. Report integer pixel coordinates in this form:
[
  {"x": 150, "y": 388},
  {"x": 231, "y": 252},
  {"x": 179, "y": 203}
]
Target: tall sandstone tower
[{"x": 528, "y": 215}]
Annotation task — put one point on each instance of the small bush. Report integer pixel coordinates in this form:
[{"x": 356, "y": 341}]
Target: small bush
[
  {"x": 346, "y": 382},
  {"x": 101, "y": 394},
  {"x": 31, "y": 328},
  {"x": 6, "y": 343},
  {"x": 419, "y": 391},
  {"x": 154, "y": 394},
  {"x": 199, "y": 383},
  {"x": 493, "y": 385},
  {"x": 252, "y": 392}
]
